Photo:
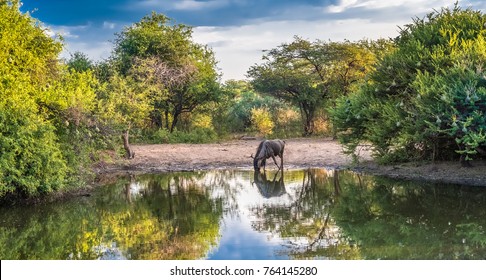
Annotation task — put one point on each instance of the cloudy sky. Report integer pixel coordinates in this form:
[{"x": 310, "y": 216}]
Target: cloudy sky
[{"x": 237, "y": 30}]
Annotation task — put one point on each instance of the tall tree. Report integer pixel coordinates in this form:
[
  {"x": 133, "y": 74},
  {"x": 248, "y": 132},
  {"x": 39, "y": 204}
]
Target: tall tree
[
  {"x": 180, "y": 73},
  {"x": 307, "y": 74},
  {"x": 122, "y": 104}
]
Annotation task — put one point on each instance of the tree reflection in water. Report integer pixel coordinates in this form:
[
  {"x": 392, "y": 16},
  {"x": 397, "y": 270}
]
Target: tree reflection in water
[
  {"x": 300, "y": 214},
  {"x": 305, "y": 223},
  {"x": 344, "y": 215}
]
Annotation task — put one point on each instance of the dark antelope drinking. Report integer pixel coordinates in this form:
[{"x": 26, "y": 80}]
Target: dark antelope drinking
[{"x": 269, "y": 149}]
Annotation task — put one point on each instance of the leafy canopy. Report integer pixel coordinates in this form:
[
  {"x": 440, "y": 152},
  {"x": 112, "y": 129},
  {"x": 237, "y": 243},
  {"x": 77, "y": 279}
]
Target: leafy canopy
[
  {"x": 310, "y": 74},
  {"x": 426, "y": 99},
  {"x": 180, "y": 74}
]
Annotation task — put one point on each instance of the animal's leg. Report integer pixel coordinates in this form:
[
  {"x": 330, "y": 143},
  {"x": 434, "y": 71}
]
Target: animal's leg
[{"x": 275, "y": 161}]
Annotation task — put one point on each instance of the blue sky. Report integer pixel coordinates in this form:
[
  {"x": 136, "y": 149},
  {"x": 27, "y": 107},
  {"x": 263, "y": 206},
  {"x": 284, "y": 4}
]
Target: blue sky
[{"x": 237, "y": 30}]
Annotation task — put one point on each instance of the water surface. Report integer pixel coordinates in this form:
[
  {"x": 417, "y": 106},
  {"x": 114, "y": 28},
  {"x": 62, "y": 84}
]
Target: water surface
[{"x": 235, "y": 214}]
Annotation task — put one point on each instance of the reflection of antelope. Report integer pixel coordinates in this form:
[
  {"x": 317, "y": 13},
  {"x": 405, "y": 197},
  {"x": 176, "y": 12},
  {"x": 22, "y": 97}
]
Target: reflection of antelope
[
  {"x": 269, "y": 149},
  {"x": 269, "y": 188}
]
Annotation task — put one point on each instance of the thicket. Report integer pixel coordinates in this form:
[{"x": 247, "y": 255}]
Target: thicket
[
  {"x": 426, "y": 99},
  {"x": 243, "y": 110},
  {"x": 45, "y": 109}
]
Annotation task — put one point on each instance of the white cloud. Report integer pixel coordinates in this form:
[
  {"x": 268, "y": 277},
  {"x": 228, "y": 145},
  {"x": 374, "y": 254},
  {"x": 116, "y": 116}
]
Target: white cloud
[
  {"x": 341, "y": 6},
  {"x": 198, "y": 5},
  {"x": 184, "y": 5},
  {"x": 67, "y": 32},
  {"x": 409, "y": 5},
  {"x": 49, "y": 32},
  {"x": 95, "y": 50},
  {"x": 239, "y": 48},
  {"x": 109, "y": 25}
]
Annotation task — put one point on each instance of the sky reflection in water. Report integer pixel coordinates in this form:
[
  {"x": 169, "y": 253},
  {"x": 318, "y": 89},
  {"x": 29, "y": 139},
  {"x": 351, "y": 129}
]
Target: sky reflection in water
[{"x": 228, "y": 214}]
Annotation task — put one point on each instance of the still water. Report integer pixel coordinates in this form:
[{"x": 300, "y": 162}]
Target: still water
[{"x": 235, "y": 214}]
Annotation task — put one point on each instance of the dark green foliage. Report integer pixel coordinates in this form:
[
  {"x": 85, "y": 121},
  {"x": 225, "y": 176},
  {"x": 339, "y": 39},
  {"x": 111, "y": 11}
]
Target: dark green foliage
[
  {"x": 155, "y": 35},
  {"x": 30, "y": 159},
  {"x": 239, "y": 114},
  {"x": 197, "y": 135},
  {"x": 80, "y": 62},
  {"x": 426, "y": 99},
  {"x": 309, "y": 75},
  {"x": 233, "y": 114},
  {"x": 181, "y": 74}
]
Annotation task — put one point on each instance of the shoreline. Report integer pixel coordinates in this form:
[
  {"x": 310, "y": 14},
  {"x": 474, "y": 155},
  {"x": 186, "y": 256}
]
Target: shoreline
[{"x": 300, "y": 153}]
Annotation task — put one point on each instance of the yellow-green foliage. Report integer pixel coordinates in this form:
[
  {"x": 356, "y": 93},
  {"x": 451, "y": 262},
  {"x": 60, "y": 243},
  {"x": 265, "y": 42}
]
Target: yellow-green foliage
[
  {"x": 288, "y": 123},
  {"x": 123, "y": 103},
  {"x": 202, "y": 121},
  {"x": 72, "y": 93},
  {"x": 161, "y": 55},
  {"x": 262, "y": 121},
  {"x": 310, "y": 74},
  {"x": 30, "y": 158},
  {"x": 47, "y": 121}
]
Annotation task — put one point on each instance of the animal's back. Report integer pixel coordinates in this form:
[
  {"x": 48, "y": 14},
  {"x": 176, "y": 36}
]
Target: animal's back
[{"x": 277, "y": 146}]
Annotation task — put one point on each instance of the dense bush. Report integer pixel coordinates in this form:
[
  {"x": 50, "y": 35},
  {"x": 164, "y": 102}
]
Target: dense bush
[
  {"x": 235, "y": 113},
  {"x": 262, "y": 121},
  {"x": 30, "y": 157},
  {"x": 426, "y": 99},
  {"x": 47, "y": 130},
  {"x": 196, "y": 136}
]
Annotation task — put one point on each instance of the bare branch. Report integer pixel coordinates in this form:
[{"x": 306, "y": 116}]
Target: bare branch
[{"x": 163, "y": 72}]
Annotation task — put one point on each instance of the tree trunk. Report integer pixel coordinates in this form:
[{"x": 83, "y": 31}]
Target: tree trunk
[
  {"x": 126, "y": 144},
  {"x": 156, "y": 118},
  {"x": 308, "y": 117},
  {"x": 308, "y": 127},
  {"x": 166, "y": 113},
  {"x": 176, "y": 114}
]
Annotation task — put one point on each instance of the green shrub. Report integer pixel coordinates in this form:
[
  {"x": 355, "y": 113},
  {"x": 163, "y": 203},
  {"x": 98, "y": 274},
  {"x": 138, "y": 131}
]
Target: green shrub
[
  {"x": 31, "y": 162},
  {"x": 197, "y": 135},
  {"x": 262, "y": 121},
  {"x": 425, "y": 99}
]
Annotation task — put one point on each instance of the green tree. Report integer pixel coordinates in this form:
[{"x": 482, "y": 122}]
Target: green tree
[
  {"x": 80, "y": 62},
  {"x": 241, "y": 99},
  {"x": 31, "y": 161},
  {"x": 308, "y": 74},
  {"x": 426, "y": 99},
  {"x": 179, "y": 72},
  {"x": 46, "y": 125},
  {"x": 69, "y": 103},
  {"x": 123, "y": 104}
]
